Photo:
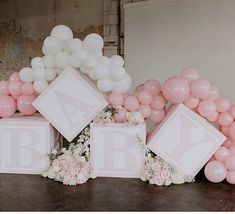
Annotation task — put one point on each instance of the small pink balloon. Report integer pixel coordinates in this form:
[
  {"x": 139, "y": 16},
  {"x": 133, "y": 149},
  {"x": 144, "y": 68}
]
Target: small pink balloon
[
  {"x": 191, "y": 102},
  {"x": 15, "y": 97},
  {"x": 215, "y": 171},
  {"x": 24, "y": 104},
  {"x": 158, "y": 102},
  {"x": 200, "y": 88},
  {"x": 190, "y": 74},
  {"x": 232, "y": 150},
  {"x": 222, "y": 104},
  {"x": 15, "y": 87},
  {"x": 27, "y": 88},
  {"x": 207, "y": 108},
  {"x": 14, "y": 77},
  {"x": 176, "y": 89},
  {"x": 225, "y": 119},
  {"x": 227, "y": 143},
  {"x": 230, "y": 162},
  {"x": 225, "y": 130},
  {"x": 140, "y": 88},
  {"x": 7, "y": 106},
  {"x": 230, "y": 178},
  {"x": 221, "y": 154},
  {"x": 145, "y": 110},
  {"x": 232, "y": 111},
  {"x": 131, "y": 103},
  {"x": 145, "y": 97},
  {"x": 157, "y": 116},
  {"x": 116, "y": 99},
  {"x": 120, "y": 116},
  {"x": 232, "y": 131},
  {"x": 214, "y": 93},
  {"x": 213, "y": 118},
  {"x": 4, "y": 88},
  {"x": 153, "y": 86},
  {"x": 211, "y": 159}
]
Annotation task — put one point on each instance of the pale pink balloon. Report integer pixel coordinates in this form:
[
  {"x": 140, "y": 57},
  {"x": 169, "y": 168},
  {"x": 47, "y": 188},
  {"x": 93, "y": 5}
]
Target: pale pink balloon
[
  {"x": 176, "y": 89},
  {"x": 120, "y": 116},
  {"x": 215, "y": 171},
  {"x": 207, "y": 108},
  {"x": 4, "y": 87},
  {"x": 225, "y": 119},
  {"x": 14, "y": 77},
  {"x": 213, "y": 118},
  {"x": 221, "y": 154},
  {"x": 145, "y": 110},
  {"x": 140, "y": 88},
  {"x": 136, "y": 94},
  {"x": 131, "y": 103},
  {"x": 214, "y": 93},
  {"x": 232, "y": 150},
  {"x": 190, "y": 74},
  {"x": 15, "y": 87},
  {"x": 211, "y": 159},
  {"x": 158, "y": 102},
  {"x": 116, "y": 99},
  {"x": 27, "y": 88},
  {"x": 200, "y": 88},
  {"x": 227, "y": 143},
  {"x": 145, "y": 97},
  {"x": 24, "y": 104},
  {"x": 222, "y": 104},
  {"x": 225, "y": 130},
  {"x": 153, "y": 86},
  {"x": 232, "y": 131},
  {"x": 15, "y": 97},
  {"x": 191, "y": 102},
  {"x": 232, "y": 110},
  {"x": 230, "y": 178},
  {"x": 7, "y": 106},
  {"x": 157, "y": 116},
  {"x": 230, "y": 162}
]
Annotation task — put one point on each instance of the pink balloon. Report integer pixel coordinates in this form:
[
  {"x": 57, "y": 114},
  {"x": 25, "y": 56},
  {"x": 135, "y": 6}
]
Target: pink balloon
[
  {"x": 190, "y": 74},
  {"x": 14, "y": 77},
  {"x": 232, "y": 131},
  {"x": 200, "y": 88},
  {"x": 153, "y": 86},
  {"x": 221, "y": 154},
  {"x": 145, "y": 97},
  {"x": 131, "y": 103},
  {"x": 225, "y": 119},
  {"x": 140, "y": 88},
  {"x": 230, "y": 162},
  {"x": 214, "y": 93},
  {"x": 15, "y": 87},
  {"x": 145, "y": 110},
  {"x": 232, "y": 150},
  {"x": 213, "y": 118},
  {"x": 207, "y": 108},
  {"x": 232, "y": 111},
  {"x": 225, "y": 130},
  {"x": 227, "y": 143},
  {"x": 158, "y": 102},
  {"x": 176, "y": 89},
  {"x": 215, "y": 171},
  {"x": 157, "y": 116},
  {"x": 4, "y": 88},
  {"x": 15, "y": 97},
  {"x": 27, "y": 88},
  {"x": 116, "y": 99},
  {"x": 222, "y": 104},
  {"x": 24, "y": 104},
  {"x": 191, "y": 102},
  {"x": 7, "y": 106},
  {"x": 230, "y": 177},
  {"x": 120, "y": 116},
  {"x": 211, "y": 159}
]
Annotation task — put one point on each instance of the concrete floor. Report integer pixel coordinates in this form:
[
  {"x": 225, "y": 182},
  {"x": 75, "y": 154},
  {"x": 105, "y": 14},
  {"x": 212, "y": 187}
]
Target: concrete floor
[{"x": 34, "y": 193}]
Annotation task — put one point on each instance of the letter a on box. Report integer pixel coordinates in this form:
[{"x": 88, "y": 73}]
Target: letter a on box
[
  {"x": 185, "y": 140},
  {"x": 115, "y": 152},
  {"x": 70, "y": 103}
]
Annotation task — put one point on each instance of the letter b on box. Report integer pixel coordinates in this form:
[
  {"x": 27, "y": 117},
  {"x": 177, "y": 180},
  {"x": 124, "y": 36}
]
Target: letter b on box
[{"x": 115, "y": 152}]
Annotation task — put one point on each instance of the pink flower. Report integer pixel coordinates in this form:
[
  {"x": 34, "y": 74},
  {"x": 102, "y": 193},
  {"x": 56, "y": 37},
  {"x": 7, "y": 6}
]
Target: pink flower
[
  {"x": 158, "y": 180},
  {"x": 165, "y": 174}
]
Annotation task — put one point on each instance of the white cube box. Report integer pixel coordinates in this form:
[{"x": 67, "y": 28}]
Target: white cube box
[
  {"x": 115, "y": 151},
  {"x": 25, "y": 143},
  {"x": 185, "y": 140},
  {"x": 70, "y": 103}
]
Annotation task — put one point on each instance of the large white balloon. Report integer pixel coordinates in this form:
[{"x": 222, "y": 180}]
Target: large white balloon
[
  {"x": 117, "y": 73},
  {"x": 62, "y": 60},
  {"x": 74, "y": 62},
  {"x": 39, "y": 74},
  {"x": 40, "y": 85},
  {"x": 123, "y": 85},
  {"x": 90, "y": 62},
  {"x": 51, "y": 46},
  {"x": 84, "y": 69},
  {"x": 73, "y": 45},
  {"x": 37, "y": 63},
  {"x": 104, "y": 85},
  {"x": 117, "y": 60},
  {"x": 26, "y": 74},
  {"x": 62, "y": 32},
  {"x": 92, "y": 76},
  {"x": 93, "y": 42},
  {"x": 49, "y": 61},
  {"x": 81, "y": 55},
  {"x": 50, "y": 74},
  {"x": 58, "y": 70},
  {"x": 105, "y": 60},
  {"x": 101, "y": 71}
]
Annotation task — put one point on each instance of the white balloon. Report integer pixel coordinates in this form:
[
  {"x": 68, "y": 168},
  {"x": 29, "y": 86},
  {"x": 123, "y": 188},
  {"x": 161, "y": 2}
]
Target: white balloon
[
  {"x": 73, "y": 45},
  {"x": 82, "y": 55},
  {"x": 105, "y": 60},
  {"x": 51, "y": 46},
  {"x": 100, "y": 71},
  {"x": 92, "y": 76},
  {"x": 40, "y": 85},
  {"x": 104, "y": 85},
  {"x": 58, "y": 71},
  {"x": 26, "y": 74},
  {"x": 93, "y": 41},
  {"x": 49, "y": 61},
  {"x": 117, "y": 60},
  {"x": 123, "y": 85},
  {"x": 39, "y": 74},
  {"x": 37, "y": 63},
  {"x": 90, "y": 62},
  {"x": 117, "y": 73},
  {"x": 84, "y": 69},
  {"x": 50, "y": 74},
  {"x": 62, "y": 60},
  {"x": 74, "y": 62},
  {"x": 62, "y": 32}
]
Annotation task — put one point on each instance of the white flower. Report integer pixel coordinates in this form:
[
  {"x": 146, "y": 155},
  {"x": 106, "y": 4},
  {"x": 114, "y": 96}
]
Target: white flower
[
  {"x": 177, "y": 177},
  {"x": 54, "y": 152}
]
